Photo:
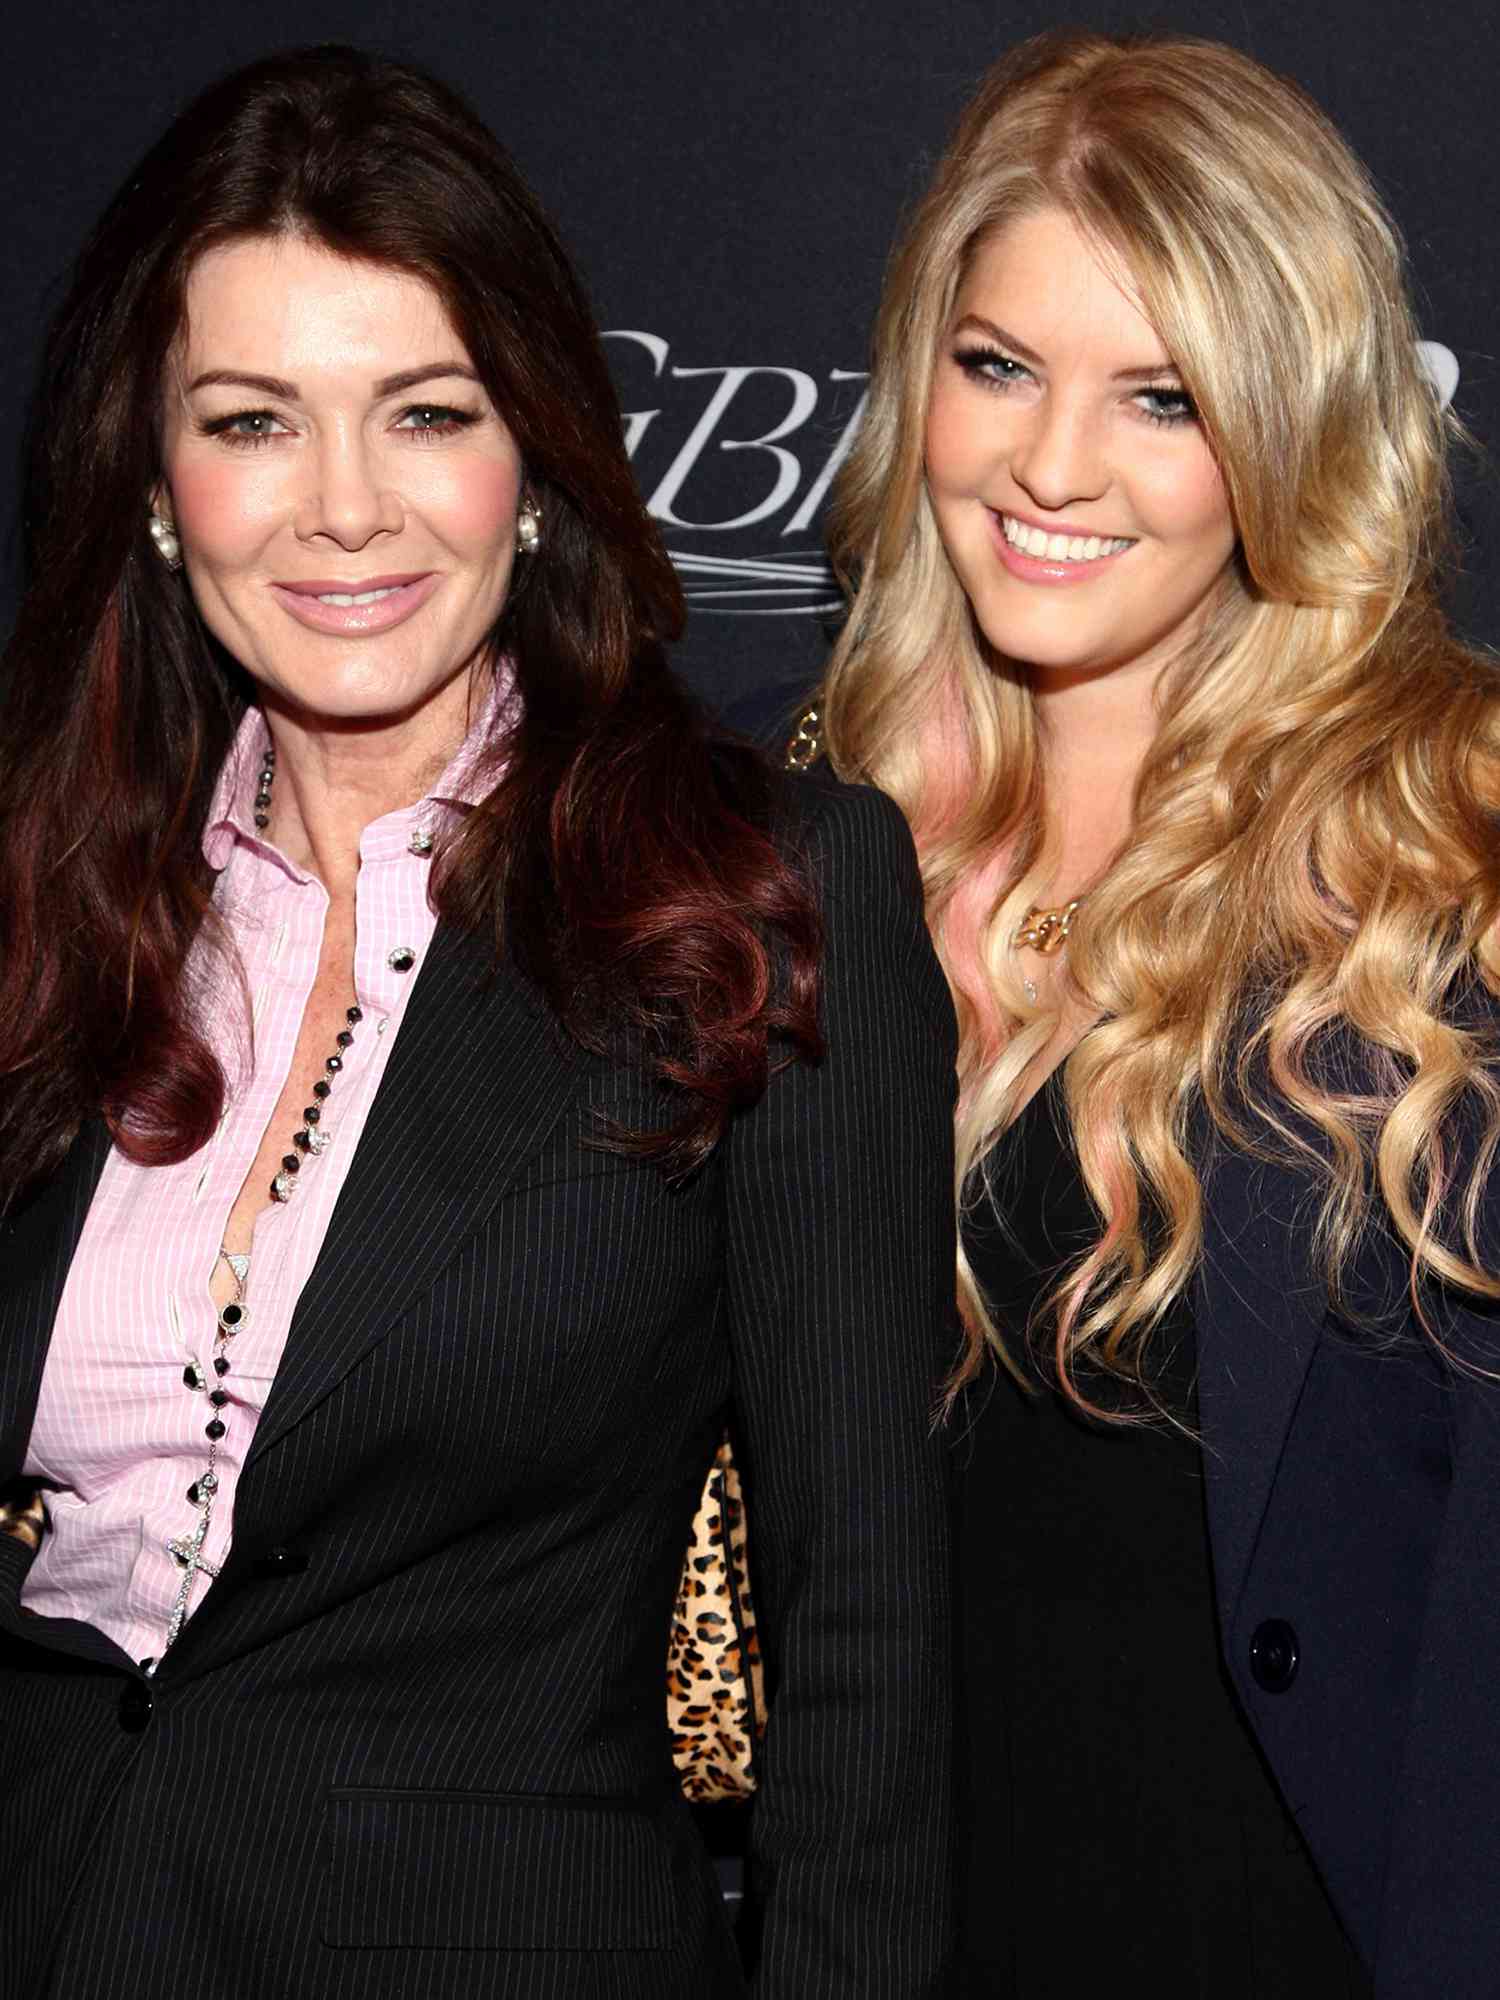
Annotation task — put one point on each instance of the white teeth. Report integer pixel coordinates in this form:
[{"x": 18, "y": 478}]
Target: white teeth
[
  {"x": 342, "y": 598},
  {"x": 1060, "y": 548}
]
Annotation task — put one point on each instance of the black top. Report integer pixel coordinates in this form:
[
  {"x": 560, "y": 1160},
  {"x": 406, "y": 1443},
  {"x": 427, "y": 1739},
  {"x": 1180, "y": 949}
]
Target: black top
[{"x": 1118, "y": 1821}]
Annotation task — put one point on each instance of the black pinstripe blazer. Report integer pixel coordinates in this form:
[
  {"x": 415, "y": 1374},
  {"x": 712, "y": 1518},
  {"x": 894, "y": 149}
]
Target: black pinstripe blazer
[{"x": 412, "y": 1742}]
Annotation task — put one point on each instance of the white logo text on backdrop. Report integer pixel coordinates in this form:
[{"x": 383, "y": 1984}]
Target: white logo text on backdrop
[{"x": 773, "y": 481}]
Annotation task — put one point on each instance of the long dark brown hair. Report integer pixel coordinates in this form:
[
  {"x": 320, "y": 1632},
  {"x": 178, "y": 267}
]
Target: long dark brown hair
[{"x": 624, "y": 860}]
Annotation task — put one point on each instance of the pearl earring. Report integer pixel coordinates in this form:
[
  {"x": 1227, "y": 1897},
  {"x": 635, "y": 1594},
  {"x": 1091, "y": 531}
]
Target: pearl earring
[
  {"x": 529, "y": 530},
  {"x": 165, "y": 537}
]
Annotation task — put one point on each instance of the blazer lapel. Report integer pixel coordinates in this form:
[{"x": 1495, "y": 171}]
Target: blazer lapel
[
  {"x": 479, "y": 1074},
  {"x": 1260, "y": 1310},
  {"x": 36, "y": 1248}
]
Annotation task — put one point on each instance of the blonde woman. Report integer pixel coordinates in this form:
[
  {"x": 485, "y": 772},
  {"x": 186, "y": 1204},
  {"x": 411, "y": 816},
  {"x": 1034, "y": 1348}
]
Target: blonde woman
[{"x": 1142, "y": 534}]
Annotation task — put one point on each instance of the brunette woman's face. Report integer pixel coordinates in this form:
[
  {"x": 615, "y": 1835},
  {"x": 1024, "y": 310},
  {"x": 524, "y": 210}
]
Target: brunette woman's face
[
  {"x": 1074, "y": 489},
  {"x": 344, "y": 492}
]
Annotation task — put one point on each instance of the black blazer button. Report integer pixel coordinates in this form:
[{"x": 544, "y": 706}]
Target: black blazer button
[
  {"x": 281, "y": 1562},
  {"x": 135, "y": 1708},
  {"x": 1274, "y": 1655}
]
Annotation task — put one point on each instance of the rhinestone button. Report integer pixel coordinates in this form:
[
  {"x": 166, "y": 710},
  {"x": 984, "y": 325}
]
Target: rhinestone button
[
  {"x": 402, "y": 959},
  {"x": 420, "y": 843}
]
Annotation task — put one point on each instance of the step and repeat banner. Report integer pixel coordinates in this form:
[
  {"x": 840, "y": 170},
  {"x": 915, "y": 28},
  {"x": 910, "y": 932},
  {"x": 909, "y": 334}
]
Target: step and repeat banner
[{"x": 729, "y": 178}]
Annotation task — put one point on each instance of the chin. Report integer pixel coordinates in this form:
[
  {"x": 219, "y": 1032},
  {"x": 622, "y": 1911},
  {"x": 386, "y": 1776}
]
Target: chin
[
  {"x": 1041, "y": 643},
  {"x": 355, "y": 690}
]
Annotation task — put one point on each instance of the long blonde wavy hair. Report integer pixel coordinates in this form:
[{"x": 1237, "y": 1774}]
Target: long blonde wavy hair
[{"x": 1314, "y": 842}]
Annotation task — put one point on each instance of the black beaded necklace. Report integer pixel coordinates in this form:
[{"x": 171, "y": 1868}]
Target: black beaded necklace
[
  {"x": 308, "y": 1141},
  {"x": 187, "y": 1550},
  {"x": 234, "y": 1315}
]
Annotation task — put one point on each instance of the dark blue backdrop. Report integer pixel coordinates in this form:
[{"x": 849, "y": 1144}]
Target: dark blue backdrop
[{"x": 729, "y": 178}]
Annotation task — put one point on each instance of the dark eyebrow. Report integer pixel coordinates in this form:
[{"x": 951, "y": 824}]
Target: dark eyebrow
[
  {"x": 430, "y": 371},
  {"x": 1151, "y": 372},
  {"x": 273, "y": 385},
  {"x": 230, "y": 378}
]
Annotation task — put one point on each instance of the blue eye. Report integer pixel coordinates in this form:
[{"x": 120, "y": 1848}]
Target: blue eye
[
  {"x": 244, "y": 427},
  {"x": 1167, "y": 406},
  {"x": 435, "y": 420},
  {"x": 990, "y": 365}
]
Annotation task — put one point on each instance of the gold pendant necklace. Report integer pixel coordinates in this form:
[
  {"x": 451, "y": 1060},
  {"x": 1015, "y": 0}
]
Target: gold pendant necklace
[{"x": 1046, "y": 931}]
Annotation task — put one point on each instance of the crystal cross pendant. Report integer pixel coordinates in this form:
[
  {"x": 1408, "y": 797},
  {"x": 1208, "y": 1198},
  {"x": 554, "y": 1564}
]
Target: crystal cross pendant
[{"x": 187, "y": 1552}]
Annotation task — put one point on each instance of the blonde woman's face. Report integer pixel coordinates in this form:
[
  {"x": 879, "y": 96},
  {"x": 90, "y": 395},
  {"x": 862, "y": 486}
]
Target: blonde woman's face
[{"x": 1074, "y": 490}]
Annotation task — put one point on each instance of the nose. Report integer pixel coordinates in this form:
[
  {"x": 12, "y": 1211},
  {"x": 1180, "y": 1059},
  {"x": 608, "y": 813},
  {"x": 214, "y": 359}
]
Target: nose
[
  {"x": 346, "y": 500},
  {"x": 1059, "y": 457}
]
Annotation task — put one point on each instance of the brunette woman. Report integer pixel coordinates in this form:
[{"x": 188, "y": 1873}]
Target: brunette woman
[
  {"x": 1144, "y": 525},
  {"x": 434, "y": 1094}
]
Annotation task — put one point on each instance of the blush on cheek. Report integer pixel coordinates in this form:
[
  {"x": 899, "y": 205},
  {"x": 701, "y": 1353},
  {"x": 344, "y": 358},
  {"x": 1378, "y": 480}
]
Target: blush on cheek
[
  {"x": 475, "y": 506},
  {"x": 1187, "y": 498},
  {"x": 222, "y": 510},
  {"x": 953, "y": 451}
]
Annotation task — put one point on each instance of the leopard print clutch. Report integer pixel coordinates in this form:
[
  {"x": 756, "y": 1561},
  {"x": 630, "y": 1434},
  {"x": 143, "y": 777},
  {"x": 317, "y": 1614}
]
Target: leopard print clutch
[
  {"x": 716, "y": 1708},
  {"x": 715, "y": 1691}
]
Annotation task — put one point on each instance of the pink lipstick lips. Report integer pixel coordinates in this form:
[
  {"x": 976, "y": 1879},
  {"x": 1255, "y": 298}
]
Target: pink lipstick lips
[
  {"x": 356, "y": 607},
  {"x": 1034, "y": 566}
]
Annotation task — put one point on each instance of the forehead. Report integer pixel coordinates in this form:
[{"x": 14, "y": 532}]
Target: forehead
[
  {"x": 1047, "y": 284},
  {"x": 284, "y": 305}
]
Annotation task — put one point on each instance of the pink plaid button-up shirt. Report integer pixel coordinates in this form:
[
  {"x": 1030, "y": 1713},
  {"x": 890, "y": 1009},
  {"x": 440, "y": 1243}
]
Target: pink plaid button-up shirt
[{"x": 118, "y": 1435}]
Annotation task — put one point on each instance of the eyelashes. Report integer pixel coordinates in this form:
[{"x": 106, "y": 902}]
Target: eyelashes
[
  {"x": 226, "y": 427},
  {"x": 1166, "y": 406},
  {"x": 249, "y": 430},
  {"x": 989, "y": 365},
  {"x": 438, "y": 420},
  {"x": 992, "y": 368}
]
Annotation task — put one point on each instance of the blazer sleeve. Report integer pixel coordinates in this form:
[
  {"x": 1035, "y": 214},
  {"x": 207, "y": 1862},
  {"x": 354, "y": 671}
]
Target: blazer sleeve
[
  {"x": 840, "y": 1228},
  {"x": 1440, "y": 1928}
]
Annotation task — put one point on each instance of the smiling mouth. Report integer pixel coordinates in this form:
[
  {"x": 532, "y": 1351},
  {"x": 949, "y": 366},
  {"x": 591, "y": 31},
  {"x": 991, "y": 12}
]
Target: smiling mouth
[
  {"x": 362, "y": 591},
  {"x": 356, "y": 607},
  {"x": 362, "y": 597},
  {"x": 1041, "y": 546}
]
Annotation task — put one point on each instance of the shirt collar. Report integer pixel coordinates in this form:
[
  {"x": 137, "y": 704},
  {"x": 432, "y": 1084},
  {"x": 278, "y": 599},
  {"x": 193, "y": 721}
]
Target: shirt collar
[{"x": 468, "y": 777}]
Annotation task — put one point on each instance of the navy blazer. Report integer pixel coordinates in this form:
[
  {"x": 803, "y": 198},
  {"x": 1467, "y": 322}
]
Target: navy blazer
[
  {"x": 1353, "y": 1482},
  {"x": 413, "y": 1740}
]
